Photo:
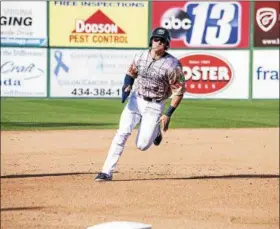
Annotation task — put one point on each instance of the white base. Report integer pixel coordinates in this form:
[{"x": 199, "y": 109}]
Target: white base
[{"x": 121, "y": 225}]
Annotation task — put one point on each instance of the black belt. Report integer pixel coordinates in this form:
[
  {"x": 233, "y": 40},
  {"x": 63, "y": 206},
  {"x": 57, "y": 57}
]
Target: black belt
[{"x": 148, "y": 99}]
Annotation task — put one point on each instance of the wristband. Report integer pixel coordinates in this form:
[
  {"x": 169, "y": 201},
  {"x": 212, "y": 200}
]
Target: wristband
[
  {"x": 170, "y": 110},
  {"x": 128, "y": 80}
]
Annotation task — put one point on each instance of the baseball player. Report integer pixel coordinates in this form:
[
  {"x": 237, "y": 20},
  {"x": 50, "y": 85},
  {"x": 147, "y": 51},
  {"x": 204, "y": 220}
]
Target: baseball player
[{"x": 153, "y": 77}]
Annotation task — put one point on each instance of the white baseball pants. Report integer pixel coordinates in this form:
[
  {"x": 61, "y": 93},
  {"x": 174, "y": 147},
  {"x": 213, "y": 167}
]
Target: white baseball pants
[{"x": 136, "y": 111}]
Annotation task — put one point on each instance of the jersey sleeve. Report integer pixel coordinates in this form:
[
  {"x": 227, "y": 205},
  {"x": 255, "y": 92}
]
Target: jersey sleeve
[{"x": 177, "y": 80}]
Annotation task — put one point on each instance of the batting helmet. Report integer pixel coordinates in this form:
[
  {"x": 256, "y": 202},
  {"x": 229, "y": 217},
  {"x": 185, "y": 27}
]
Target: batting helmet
[{"x": 161, "y": 33}]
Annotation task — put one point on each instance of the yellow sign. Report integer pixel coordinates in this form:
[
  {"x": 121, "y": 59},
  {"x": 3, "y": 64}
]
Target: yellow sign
[{"x": 112, "y": 24}]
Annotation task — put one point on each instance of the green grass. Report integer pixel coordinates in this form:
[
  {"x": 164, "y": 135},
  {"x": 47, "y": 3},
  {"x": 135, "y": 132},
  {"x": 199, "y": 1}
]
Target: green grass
[{"x": 43, "y": 114}]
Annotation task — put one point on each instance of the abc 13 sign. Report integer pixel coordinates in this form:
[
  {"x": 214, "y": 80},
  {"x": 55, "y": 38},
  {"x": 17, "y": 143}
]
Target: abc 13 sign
[
  {"x": 267, "y": 24},
  {"x": 204, "y": 24}
]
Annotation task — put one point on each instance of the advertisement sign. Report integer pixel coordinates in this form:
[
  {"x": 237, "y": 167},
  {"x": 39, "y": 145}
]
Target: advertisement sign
[
  {"x": 215, "y": 74},
  {"x": 98, "y": 23},
  {"x": 266, "y": 74},
  {"x": 23, "y": 72},
  {"x": 23, "y": 23},
  {"x": 267, "y": 24},
  {"x": 204, "y": 24},
  {"x": 88, "y": 72}
]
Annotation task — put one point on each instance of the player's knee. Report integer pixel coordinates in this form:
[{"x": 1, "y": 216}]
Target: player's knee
[{"x": 142, "y": 146}]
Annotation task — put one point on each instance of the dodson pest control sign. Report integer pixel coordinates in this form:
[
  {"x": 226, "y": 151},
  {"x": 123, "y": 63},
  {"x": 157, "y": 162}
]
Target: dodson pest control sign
[
  {"x": 23, "y": 23},
  {"x": 23, "y": 72},
  {"x": 99, "y": 23},
  {"x": 215, "y": 74}
]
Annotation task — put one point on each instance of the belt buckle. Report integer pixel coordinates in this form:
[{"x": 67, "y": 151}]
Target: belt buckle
[
  {"x": 148, "y": 99},
  {"x": 156, "y": 100}
]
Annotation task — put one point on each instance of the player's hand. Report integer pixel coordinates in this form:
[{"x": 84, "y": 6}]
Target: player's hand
[
  {"x": 125, "y": 92},
  {"x": 165, "y": 122},
  {"x": 132, "y": 71}
]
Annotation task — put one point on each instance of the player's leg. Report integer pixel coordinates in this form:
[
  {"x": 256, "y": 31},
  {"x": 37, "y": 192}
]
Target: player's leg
[
  {"x": 130, "y": 117},
  {"x": 150, "y": 125},
  {"x": 158, "y": 137}
]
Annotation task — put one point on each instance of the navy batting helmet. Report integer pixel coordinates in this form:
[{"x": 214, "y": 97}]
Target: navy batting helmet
[{"x": 161, "y": 33}]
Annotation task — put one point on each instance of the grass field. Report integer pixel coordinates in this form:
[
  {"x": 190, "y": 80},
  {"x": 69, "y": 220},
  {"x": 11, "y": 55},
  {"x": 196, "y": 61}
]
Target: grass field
[{"x": 43, "y": 114}]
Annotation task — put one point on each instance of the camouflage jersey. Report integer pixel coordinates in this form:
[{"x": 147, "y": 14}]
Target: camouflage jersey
[{"x": 157, "y": 79}]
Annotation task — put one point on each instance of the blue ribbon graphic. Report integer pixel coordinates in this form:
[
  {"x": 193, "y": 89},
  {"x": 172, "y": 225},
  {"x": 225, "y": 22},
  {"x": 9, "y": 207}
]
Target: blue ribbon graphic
[{"x": 60, "y": 64}]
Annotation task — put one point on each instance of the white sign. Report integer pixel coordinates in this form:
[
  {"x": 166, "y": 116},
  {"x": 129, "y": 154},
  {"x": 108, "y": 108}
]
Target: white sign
[
  {"x": 266, "y": 74},
  {"x": 23, "y": 72},
  {"x": 215, "y": 74},
  {"x": 88, "y": 72},
  {"x": 24, "y": 23}
]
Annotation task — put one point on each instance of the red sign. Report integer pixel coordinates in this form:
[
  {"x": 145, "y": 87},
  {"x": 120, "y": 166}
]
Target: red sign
[
  {"x": 206, "y": 74},
  {"x": 204, "y": 24},
  {"x": 267, "y": 24}
]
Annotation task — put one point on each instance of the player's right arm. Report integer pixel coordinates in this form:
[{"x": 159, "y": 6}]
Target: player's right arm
[{"x": 129, "y": 80}]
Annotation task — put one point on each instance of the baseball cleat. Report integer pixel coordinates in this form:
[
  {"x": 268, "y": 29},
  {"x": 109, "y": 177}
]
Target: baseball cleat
[
  {"x": 103, "y": 177},
  {"x": 158, "y": 139}
]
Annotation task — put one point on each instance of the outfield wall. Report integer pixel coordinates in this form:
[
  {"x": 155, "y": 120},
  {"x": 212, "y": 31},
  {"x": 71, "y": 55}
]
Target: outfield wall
[{"x": 82, "y": 49}]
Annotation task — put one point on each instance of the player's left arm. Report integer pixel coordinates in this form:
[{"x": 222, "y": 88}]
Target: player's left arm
[{"x": 177, "y": 85}]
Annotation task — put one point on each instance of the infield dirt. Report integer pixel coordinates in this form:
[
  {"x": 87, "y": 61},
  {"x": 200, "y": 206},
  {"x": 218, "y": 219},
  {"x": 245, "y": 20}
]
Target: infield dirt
[{"x": 196, "y": 179}]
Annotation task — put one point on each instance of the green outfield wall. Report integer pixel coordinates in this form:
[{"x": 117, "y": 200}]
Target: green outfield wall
[{"x": 82, "y": 49}]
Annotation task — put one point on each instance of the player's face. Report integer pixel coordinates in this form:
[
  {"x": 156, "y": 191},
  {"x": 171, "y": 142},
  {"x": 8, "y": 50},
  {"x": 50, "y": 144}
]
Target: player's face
[{"x": 158, "y": 44}]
